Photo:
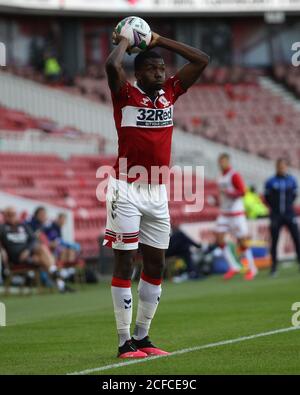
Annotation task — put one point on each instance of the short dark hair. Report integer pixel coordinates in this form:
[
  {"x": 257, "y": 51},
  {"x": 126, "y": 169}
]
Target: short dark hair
[
  {"x": 38, "y": 210},
  {"x": 224, "y": 155},
  {"x": 142, "y": 56},
  {"x": 282, "y": 159},
  {"x": 62, "y": 215}
]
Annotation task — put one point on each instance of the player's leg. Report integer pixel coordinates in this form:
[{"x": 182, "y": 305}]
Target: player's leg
[
  {"x": 247, "y": 253},
  {"x": 234, "y": 266},
  {"x": 154, "y": 240},
  {"x": 121, "y": 292},
  {"x": 149, "y": 290},
  {"x": 241, "y": 232},
  {"x": 123, "y": 302},
  {"x": 122, "y": 230}
]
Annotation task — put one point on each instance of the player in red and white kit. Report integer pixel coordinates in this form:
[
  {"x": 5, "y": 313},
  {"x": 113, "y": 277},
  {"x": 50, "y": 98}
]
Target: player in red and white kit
[
  {"x": 137, "y": 209},
  {"x": 232, "y": 218}
]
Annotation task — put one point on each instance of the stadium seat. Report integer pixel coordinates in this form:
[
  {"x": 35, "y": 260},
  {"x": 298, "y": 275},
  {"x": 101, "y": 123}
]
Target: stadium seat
[
  {"x": 72, "y": 184},
  {"x": 22, "y": 270},
  {"x": 245, "y": 116}
]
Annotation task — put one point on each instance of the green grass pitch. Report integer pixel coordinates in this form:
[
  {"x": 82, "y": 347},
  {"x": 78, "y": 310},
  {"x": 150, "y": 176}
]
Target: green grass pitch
[{"x": 59, "y": 334}]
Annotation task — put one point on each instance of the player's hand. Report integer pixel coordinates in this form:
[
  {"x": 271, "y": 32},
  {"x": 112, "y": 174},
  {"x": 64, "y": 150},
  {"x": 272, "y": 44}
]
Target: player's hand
[
  {"x": 154, "y": 40},
  {"x": 117, "y": 38}
]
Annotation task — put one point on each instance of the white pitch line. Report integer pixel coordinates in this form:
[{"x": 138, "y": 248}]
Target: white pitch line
[{"x": 184, "y": 351}]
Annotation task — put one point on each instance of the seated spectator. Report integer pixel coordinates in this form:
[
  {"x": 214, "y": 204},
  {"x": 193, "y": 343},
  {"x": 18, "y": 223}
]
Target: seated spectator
[
  {"x": 63, "y": 250},
  {"x": 21, "y": 246},
  {"x": 3, "y": 265},
  {"x": 37, "y": 224},
  {"x": 38, "y": 219},
  {"x": 180, "y": 246}
]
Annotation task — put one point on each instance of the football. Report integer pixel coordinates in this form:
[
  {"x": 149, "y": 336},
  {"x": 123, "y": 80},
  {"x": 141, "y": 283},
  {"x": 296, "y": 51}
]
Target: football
[{"x": 137, "y": 31}]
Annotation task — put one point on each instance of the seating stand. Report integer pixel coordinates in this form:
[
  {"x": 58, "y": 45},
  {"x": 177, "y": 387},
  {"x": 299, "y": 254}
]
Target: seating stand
[{"x": 22, "y": 270}]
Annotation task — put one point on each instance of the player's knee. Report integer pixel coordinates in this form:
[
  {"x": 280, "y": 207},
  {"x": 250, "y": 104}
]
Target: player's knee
[
  {"x": 243, "y": 243},
  {"x": 220, "y": 240},
  {"x": 123, "y": 264},
  {"x": 123, "y": 271},
  {"x": 155, "y": 268}
]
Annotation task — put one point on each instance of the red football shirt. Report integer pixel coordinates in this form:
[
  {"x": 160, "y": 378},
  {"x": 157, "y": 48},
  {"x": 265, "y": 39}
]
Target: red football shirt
[{"x": 144, "y": 128}]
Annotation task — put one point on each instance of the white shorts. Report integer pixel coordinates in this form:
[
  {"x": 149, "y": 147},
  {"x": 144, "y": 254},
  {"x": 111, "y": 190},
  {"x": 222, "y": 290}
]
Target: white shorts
[
  {"x": 136, "y": 213},
  {"x": 236, "y": 225}
]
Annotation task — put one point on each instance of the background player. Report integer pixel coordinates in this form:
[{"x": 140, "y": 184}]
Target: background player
[
  {"x": 232, "y": 218},
  {"x": 143, "y": 115}
]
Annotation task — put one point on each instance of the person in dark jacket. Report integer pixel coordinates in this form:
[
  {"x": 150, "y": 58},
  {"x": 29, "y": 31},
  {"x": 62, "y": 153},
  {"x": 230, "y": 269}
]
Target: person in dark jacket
[
  {"x": 280, "y": 194},
  {"x": 180, "y": 246},
  {"x": 20, "y": 243},
  {"x": 38, "y": 220},
  {"x": 65, "y": 251},
  {"x": 38, "y": 223}
]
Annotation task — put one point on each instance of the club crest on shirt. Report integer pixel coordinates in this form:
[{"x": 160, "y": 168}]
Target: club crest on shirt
[
  {"x": 164, "y": 101},
  {"x": 145, "y": 101}
]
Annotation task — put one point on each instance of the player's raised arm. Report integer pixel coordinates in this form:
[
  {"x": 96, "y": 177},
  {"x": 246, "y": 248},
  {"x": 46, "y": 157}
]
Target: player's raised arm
[
  {"x": 115, "y": 72},
  {"x": 198, "y": 60}
]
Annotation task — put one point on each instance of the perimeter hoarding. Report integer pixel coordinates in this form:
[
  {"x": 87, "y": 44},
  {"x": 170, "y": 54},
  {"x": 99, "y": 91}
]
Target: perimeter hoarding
[{"x": 158, "y": 6}]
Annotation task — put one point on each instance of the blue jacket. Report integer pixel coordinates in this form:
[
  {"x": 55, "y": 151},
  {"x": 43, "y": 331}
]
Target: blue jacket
[
  {"x": 53, "y": 231},
  {"x": 34, "y": 225},
  {"x": 280, "y": 193}
]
